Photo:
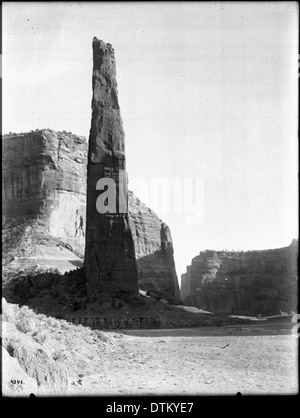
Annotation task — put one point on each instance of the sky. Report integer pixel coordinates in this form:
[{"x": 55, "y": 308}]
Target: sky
[{"x": 209, "y": 102}]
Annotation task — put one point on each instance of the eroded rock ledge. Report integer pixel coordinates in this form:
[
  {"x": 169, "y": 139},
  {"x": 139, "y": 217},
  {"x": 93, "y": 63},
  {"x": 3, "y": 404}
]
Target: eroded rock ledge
[{"x": 251, "y": 282}]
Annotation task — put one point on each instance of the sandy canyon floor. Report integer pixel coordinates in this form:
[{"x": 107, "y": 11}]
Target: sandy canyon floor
[
  {"x": 256, "y": 358},
  {"x": 185, "y": 362}
]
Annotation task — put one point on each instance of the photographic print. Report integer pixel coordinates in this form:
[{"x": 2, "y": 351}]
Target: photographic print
[{"x": 149, "y": 200}]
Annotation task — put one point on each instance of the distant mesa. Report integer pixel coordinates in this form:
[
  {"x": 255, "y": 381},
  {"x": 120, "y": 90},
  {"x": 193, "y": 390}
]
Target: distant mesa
[{"x": 246, "y": 282}]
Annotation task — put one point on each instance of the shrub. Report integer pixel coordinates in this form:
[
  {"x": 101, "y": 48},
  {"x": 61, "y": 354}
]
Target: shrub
[
  {"x": 60, "y": 355},
  {"x": 52, "y": 322},
  {"x": 25, "y": 320},
  {"x": 39, "y": 337},
  {"x": 103, "y": 336},
  {"x": 65, "y": 325},
  {"x": 25, "y": 324},
  {"x": 9, "y": 312}
]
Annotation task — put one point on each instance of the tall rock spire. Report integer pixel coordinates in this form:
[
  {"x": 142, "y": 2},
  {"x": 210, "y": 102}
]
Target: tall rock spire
[{"x": 110, "y": 261}]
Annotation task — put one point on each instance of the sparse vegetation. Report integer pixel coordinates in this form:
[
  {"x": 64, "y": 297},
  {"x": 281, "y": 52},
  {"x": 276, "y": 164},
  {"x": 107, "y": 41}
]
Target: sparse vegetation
[
  {"x": 25, "y": 320},
  {"x": 39, "y": 337},
  {"x": 103, "y": 336},
  {"x": 60, "y": 355},
  {"x": 53, "y": 351}
]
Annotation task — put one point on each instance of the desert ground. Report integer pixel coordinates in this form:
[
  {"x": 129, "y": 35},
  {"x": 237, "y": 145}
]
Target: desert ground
[
  {"x": 191, "y": 363},
  {"x": 63, "y": 359}
]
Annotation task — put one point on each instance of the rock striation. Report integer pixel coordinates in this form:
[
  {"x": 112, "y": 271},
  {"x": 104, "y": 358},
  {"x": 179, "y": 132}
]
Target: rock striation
[
  {"x": 43, "y": 199},
  {"x": 44, "y": 212},
  {"x": 252, "y": 282},
  {"x": 50, "y": 193},
  {"x": 110, "y": 261},
  {"x": 154, "y": 251}
]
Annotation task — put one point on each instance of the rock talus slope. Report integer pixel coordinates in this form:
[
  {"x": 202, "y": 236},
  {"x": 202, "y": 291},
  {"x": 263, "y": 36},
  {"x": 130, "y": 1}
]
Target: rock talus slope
[{"x": 251, "y": 282}]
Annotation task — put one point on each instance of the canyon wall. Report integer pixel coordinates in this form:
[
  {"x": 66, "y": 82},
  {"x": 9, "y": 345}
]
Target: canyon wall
[
  {"x": 43, "y": 199},
  {"x": 44, "y": 211},
  {"x": 185, "y": 289},
  {"x": 154, "y": 250},
  {"x": 252, "y": 282}
]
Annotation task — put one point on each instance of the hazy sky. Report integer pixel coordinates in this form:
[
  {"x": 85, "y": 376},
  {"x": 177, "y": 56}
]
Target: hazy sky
[{"x": 206, "y": 90}]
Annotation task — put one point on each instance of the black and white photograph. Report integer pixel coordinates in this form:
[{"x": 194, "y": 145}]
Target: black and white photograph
[{"x": 149, "y": 201}]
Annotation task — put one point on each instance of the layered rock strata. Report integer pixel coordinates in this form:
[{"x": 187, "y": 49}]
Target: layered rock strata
[
  {"x": 251, "y": 282},
  {"x": 44, "y": 180},
  {"x": 43, "y": 199},
  {"x": 110, "y": 261},
  {"x": 154, "y": 251},
  {"x": 44, "y": 211}
]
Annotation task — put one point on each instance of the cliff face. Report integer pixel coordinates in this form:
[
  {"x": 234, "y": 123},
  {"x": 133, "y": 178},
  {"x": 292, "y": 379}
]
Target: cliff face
[
  {"x": 249, "y": 282},
  {"x": 154, "y": 250},
  {"x": 43, "y": 175},
  {"x": 44, "y": 211},
  {"x": 43, "y": 198},
  {"x": 185, "y": 289}
]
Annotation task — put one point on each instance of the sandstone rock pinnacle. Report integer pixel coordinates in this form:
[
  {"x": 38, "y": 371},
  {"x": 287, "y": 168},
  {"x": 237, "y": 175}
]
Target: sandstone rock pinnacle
[
  {"x": 44, "y": 212},
  {"x": 110, "y": 261}
]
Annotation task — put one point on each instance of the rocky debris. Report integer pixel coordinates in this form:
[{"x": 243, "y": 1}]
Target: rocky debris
[
  {"x": 67, "y": 290},
  {"x": 64, "y": 297},
  {"x": 110, "y": 260},
  {"x": 119, "y": 323},
  {"x": 249, "y": 283}
]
